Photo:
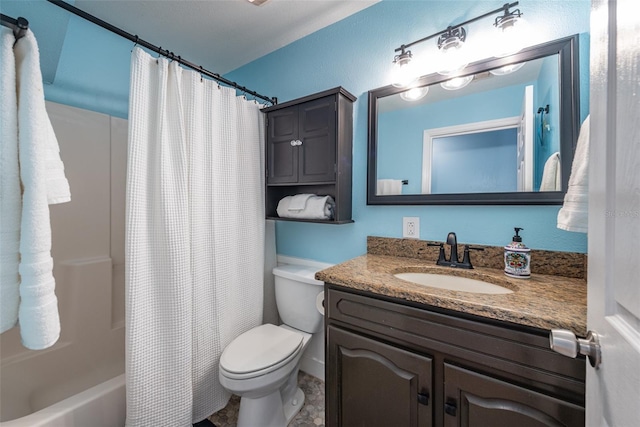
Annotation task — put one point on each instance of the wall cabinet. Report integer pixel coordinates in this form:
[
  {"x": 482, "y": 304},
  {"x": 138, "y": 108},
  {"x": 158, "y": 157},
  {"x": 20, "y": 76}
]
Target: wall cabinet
[
  {"x": 309, "y": 150},
  {"x": 390, "y": 363}
]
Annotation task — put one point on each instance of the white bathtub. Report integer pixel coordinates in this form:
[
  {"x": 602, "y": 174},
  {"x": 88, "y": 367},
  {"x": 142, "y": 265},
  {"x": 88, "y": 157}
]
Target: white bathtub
[{"x": 100, "y": 406}]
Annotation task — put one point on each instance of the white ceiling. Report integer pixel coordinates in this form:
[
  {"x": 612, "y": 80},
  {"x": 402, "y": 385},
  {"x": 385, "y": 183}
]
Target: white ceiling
[{"x": 221, "y": 35}]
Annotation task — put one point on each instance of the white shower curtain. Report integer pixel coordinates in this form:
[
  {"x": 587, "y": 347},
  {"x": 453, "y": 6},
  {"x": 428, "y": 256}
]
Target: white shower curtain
[{"x": 195, "y": 238}]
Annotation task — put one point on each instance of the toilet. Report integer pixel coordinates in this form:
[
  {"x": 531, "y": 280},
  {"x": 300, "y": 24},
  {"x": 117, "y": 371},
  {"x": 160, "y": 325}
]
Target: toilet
[{"x": 261, "y": 365}]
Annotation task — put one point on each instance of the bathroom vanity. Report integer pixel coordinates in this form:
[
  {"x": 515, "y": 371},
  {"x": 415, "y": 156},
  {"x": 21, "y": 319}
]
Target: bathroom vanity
[{"x": 403, "y": 354}]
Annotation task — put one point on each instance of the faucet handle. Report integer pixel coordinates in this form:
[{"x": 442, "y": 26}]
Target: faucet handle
[
  {"x": 466, "y": 261},
  {"x": 441, "y": 257}
]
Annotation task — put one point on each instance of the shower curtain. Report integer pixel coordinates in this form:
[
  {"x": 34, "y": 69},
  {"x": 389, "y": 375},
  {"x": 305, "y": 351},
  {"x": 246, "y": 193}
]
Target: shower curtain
[{"x": 194, "y": 238}]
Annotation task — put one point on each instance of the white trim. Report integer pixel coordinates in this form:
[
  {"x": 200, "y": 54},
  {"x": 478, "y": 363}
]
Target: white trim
[{"x": 467, "y": 128}]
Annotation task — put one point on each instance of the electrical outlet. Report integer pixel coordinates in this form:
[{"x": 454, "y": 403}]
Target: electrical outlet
[{"x": 411, "y": 227}]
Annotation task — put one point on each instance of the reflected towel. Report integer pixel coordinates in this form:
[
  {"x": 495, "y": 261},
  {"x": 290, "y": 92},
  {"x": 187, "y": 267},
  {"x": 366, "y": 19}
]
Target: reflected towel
[
  {"x": 386, "y": 187},
  {"x": 573, "y": 215},
  {"x": 551, "y": 176},
  {"x": 10, "y": 193},
  {"x": 317, "y": 207},
  {"x": 43, "y": 182}
]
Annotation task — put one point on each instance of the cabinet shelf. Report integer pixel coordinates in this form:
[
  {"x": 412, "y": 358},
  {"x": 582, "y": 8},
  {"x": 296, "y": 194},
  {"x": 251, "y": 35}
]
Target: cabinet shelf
[{"x": 309, "y": 151}]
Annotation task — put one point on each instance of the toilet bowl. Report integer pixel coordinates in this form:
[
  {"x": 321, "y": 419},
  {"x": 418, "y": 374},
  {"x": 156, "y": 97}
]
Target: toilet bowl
[{"x": 261, "y": 365}]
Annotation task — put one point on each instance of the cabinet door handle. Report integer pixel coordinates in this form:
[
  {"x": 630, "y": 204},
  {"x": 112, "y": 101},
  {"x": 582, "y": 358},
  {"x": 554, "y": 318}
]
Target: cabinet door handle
[
  {"x": 423, "y": 399},
  {"x": 294, "y": 143},
  {"x": 298, "y": 142},
  {"x": 451, "y": 407}
]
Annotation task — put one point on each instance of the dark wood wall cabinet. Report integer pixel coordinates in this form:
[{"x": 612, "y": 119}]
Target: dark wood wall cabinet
[
  {"x": 392, "y": 364},
  {"x": 308, "y": 151}
]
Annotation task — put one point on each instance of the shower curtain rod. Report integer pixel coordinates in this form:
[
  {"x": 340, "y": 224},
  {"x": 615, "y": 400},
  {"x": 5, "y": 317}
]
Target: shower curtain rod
[
  {"x": 19, "y": 26},
  {"x": 134, "y": 38}
]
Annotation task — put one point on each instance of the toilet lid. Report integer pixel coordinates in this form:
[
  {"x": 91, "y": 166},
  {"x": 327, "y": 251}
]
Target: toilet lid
[{"x": 259, "y": 348}]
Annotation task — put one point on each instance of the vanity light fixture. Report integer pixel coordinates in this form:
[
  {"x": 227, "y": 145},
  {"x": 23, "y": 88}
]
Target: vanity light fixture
[
  {"x": 450, "y": 42},
  {"x": 404, "y": 72},
  {"x": 510, "y": 32},
  {"x": 456, "y": 83},
  {"x": 414, "y": 94},
  {"x": 451, "y": 45}
]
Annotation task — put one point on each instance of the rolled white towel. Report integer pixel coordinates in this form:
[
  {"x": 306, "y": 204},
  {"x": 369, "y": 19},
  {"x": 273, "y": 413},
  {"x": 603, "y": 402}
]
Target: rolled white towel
[
  {"x": 317, "y": 207},
  {"x": 298, "y": 202}
]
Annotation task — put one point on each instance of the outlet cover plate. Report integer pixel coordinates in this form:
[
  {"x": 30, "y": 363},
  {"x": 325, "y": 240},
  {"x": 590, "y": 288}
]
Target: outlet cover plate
[{"x": 411, "y": 227}]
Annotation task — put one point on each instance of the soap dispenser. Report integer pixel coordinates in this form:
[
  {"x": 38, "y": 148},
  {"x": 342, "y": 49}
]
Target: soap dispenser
[{"x": 517, "y": 258}]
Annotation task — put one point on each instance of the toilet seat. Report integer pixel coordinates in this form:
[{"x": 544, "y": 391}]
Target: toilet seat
[{"x": 259, "y": 351}]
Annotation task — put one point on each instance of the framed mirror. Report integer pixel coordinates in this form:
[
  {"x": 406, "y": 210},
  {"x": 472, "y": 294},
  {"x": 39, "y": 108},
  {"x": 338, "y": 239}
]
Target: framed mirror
[{"x": 503, "y": 132}]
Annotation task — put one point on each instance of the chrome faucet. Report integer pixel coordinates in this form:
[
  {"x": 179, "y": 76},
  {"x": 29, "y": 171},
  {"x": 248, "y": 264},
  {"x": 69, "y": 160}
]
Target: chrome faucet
[{"x": 453, "y": 260}]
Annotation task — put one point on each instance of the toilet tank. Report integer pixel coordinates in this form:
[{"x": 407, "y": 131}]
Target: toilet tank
[{"x": 296, "y": 295}]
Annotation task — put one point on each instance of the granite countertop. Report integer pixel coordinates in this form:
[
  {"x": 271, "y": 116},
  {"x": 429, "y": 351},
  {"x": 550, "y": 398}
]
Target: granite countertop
[{"x": 543, "y": 301}]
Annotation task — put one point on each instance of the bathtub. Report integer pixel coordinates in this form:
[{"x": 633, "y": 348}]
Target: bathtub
[{"x": 100, "y": 406}]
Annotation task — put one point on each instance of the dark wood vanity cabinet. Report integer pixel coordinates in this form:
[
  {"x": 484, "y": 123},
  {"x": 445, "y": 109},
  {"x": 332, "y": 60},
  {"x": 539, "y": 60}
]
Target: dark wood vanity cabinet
[
  {"x": 380, "y": 384},
  {"x": 392, "y": 364},
  {"x": 309, "y": 150}
]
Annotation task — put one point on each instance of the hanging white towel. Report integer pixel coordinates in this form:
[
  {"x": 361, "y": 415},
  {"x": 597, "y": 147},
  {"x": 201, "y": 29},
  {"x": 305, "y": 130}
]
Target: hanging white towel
[
  {"x": 386, "y": 187},
  {"x": 10, "y": 196},
  {"x": 573, "y": 215},
  {"x": 317, "y": 207},
  {"x": 43, "y": 182},
  {"x": 551, "y": 174}
]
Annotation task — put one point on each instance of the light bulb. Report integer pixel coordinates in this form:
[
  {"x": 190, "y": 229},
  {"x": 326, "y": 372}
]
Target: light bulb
[
  {"x": 414, "y": 94},
  {"x": 456, "y": 83},
  {"x": 511, "y": 29},
  {"x": 404, "y": 71},
  {"x": 453, "y": 58}
]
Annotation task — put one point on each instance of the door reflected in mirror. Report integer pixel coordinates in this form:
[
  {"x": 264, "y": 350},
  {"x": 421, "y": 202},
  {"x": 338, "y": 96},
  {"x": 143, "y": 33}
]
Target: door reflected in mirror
[{"x": 494, "y": 134}]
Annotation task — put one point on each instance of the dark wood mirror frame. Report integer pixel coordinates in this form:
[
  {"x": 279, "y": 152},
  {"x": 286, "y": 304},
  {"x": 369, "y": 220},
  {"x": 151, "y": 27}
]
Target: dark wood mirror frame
[{"x": 569, "y": 72}]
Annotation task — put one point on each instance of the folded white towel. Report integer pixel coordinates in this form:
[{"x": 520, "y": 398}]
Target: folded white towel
[
  {"x": 317, "y": 207},
  {"x": 551, "y": 174},
  {"x": 386, "y": 187},
  {"x": 10, "y": 193},
  {"x": 42, "y": 181},
  {"x": 299, "y": 202},
  {"x": 573, "y": 216}
]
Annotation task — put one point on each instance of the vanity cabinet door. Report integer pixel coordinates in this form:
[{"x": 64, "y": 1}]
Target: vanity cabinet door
[
  {"x": 376, "y": 384},
  {"x": 473, "y": 399}
]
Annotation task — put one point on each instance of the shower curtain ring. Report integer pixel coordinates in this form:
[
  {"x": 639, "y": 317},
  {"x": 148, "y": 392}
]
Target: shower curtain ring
[
  {"x": 201, "y": 71},
  {"x": 135, "y": 43}
]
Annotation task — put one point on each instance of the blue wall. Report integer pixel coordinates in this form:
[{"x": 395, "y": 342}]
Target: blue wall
[
  {"x": 484, "y": 162},
  {"x": 356, "y": 53}
]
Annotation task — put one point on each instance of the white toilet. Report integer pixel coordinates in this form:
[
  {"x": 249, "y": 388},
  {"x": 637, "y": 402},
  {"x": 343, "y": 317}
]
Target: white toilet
[{"x": 261, "y": 365}]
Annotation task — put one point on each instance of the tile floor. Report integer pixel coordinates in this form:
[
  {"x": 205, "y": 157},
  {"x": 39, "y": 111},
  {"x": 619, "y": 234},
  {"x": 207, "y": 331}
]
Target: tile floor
[{"x": 311, "y": 414}]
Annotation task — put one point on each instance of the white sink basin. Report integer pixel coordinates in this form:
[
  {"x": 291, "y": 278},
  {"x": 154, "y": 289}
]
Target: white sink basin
[{"x": 453, "y": 283}]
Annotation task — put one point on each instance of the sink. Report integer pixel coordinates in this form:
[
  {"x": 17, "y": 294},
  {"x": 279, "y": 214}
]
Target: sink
[{"x": 453, "y": 283}]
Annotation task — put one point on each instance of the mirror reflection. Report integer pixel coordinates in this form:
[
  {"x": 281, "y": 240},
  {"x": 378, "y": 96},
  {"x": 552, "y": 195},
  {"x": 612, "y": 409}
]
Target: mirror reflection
[{"x": 494, "y": 131}]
